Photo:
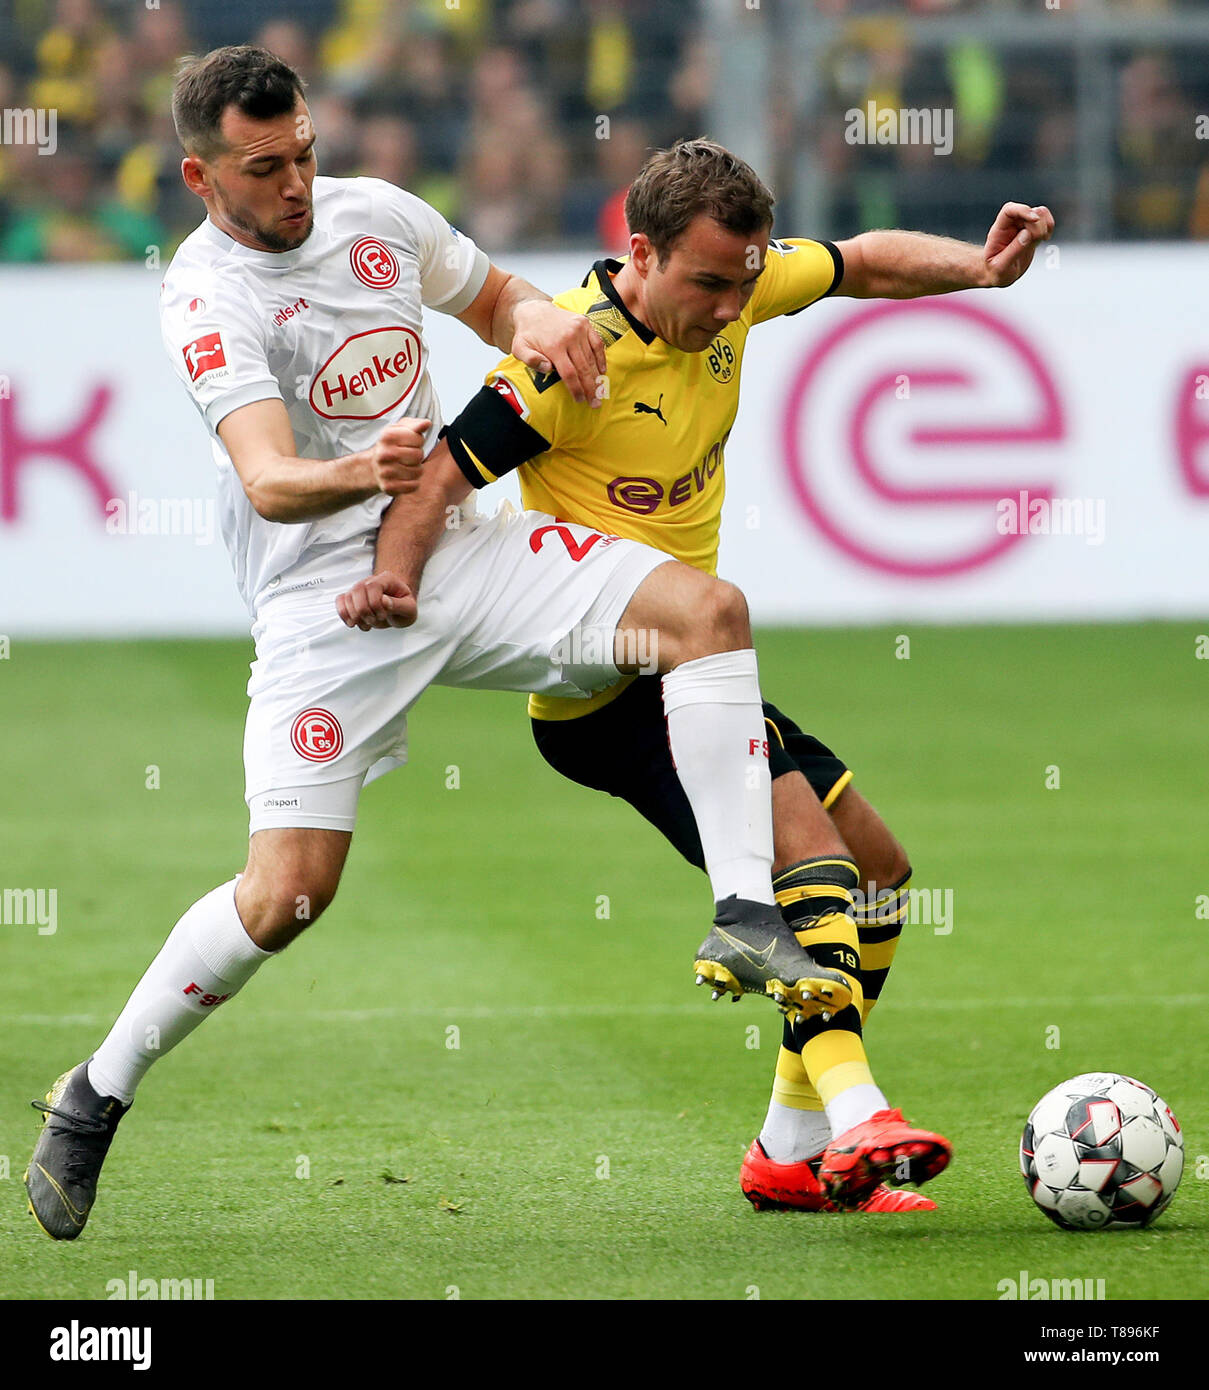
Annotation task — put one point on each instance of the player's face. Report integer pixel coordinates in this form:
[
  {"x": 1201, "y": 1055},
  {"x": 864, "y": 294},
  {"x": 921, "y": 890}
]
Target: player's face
[
  {"x": 704, "y": 284},
  {"x": 260, "y": 186}
]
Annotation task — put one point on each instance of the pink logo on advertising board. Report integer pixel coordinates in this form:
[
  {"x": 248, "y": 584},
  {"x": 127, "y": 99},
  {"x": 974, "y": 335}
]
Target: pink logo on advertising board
[
  {"x": 1192, "y": 430},
  {"x": 69, "y": 446},
  {"x": 897, "y": 429}
]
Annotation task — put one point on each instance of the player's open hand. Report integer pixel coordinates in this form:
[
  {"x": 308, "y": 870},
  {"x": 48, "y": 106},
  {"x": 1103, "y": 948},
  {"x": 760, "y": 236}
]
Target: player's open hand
[
  {"x": 548, "y": 338},
  {"x": 1012, "y": 241},
  {"x": 398, "y": 457},
  {"x": 382, "y": 600}
]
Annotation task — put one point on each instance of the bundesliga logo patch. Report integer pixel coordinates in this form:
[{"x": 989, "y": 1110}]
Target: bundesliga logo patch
[
  {"x": 316, "y": 735},
  {"x": 204, "y": 354}
]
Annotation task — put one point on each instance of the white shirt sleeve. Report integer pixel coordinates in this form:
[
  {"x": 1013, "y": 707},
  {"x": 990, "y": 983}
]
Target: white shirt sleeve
[
  {"x": 216, "y": 345},
  {"x": 452, "y": 268}
]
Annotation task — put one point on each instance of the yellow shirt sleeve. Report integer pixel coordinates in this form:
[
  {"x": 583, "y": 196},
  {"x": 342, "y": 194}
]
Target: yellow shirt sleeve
[
  {"x": 543, "y": 403},
  {"x": 796, "y": 273}
]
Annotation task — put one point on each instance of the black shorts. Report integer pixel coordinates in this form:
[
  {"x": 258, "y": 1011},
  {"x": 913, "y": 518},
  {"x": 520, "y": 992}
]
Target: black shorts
[{"x": 622, "y": 749}]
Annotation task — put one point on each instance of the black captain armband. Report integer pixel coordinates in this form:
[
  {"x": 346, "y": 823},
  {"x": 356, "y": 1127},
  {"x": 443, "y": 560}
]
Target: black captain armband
[{"x": 489, "y": 438}]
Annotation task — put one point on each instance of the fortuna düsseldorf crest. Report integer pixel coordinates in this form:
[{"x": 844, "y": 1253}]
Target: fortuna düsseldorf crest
[
  {"x": 374, "y": 263},
  {"x": 317, "y": 736}
]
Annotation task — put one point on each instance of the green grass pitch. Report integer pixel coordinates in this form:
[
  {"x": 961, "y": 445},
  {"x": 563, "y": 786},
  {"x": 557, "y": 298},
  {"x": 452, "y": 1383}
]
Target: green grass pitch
[{"x": 583, "y": 1139}]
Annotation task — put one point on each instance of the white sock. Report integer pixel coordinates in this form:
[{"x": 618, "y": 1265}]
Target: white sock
[
  {"x": 792, "y": 1136},
  {"x": 719, "y": 742},
  {"x": 854, "y": 1106},
  {"x": 207, "y": 958}
]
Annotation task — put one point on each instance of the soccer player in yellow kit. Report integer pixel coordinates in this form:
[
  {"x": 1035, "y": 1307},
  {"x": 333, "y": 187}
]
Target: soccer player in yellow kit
[{"x": 648, "y": 464}]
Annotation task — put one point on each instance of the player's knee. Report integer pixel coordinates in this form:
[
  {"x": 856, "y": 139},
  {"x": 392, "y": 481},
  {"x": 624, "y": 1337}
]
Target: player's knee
[
  {"x": 901, "y": 867},
  {"x": 888, "y": 870},
  {"x": 276, "y": 908},
  {"x": 720, "y": 621}
]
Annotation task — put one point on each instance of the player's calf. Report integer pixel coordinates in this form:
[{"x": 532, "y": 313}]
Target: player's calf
[
  {"x": 290, "y": 881},
  {"x": 881, "y": 908}
]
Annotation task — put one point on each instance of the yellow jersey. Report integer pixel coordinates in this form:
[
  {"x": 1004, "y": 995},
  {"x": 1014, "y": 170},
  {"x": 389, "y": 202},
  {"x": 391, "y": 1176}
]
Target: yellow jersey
[{"x": 648, "y": 463}]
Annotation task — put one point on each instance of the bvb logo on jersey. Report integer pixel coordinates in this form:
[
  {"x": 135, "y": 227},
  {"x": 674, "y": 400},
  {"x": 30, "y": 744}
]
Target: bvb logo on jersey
[{"x": 720, "y": 359}]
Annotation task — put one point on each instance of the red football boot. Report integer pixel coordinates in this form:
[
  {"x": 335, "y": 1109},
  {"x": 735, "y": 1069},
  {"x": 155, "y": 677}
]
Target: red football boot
[
  {"x": 897, "y": 1200},
  {"x": 882, "y": 1149},
  {"x": 770, "y": 1186}
]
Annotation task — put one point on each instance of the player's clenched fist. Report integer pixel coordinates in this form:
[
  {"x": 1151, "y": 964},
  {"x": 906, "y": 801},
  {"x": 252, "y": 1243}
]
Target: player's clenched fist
[
  {"x": 383, "y": 600},
  {"x": 398, "y": 457},
  {"x": 1012, "y": 240}
]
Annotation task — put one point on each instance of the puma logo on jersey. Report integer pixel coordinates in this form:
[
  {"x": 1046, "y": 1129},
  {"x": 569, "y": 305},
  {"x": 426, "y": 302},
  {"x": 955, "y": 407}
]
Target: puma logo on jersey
[{"x": 641, "y": 408}]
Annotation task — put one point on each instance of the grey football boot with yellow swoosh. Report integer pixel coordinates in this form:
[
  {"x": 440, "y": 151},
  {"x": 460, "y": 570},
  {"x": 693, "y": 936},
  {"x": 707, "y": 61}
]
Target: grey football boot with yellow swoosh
[
  {"x": 77, "y": 1128},
  {"x": 751, "y": 950}
]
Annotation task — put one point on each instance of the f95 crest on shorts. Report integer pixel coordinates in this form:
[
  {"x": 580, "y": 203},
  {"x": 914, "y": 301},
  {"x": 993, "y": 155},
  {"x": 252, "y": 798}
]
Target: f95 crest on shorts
[{"x": 316, "y": 735}]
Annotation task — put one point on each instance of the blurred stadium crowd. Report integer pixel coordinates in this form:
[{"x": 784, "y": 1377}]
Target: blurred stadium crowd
[{"x": 491, "y": 110}]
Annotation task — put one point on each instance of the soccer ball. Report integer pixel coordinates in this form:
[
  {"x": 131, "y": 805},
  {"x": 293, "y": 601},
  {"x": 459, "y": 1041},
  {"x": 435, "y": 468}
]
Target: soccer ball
[{"x": 1101, "y": 1150}]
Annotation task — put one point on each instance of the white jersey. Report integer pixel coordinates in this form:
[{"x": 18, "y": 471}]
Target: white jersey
[{"x": 334, "y": 329}]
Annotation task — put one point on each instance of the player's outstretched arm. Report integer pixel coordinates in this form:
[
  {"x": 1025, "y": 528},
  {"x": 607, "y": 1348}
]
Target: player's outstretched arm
[
  {"x": 410, "y": 529},
  {"x": 517, "y": 318},
  {"x": 908, "y": 265},
  {"x": 283, "y": 487}
]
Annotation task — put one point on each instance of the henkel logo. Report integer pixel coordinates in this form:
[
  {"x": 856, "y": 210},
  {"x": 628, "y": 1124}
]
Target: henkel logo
[
  {"x": 905, "y": 427},
  {"x": 204, "y": 354},
  {"x": 367, "y": 375},
  {"x": 374, "y": 263},
  {"x": 316, "y": 735}
]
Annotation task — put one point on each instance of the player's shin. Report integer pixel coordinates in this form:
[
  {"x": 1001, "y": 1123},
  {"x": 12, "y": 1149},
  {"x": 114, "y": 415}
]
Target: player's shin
[
  {"x": 715, "y": 724},
  {"x": 207, "y": 958},
  {"x": 813, "y": 891},
  {"x": 815, "y": 897},
  {"x": 879, "y": 923}
]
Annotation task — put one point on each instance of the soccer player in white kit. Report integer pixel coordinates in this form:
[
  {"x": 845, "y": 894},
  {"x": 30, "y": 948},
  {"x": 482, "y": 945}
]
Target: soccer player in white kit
[{"x": 293, "y": 316}]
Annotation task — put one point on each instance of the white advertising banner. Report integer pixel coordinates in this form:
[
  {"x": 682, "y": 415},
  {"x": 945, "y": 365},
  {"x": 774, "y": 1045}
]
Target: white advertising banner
[{"x": 1040, "y": 452}]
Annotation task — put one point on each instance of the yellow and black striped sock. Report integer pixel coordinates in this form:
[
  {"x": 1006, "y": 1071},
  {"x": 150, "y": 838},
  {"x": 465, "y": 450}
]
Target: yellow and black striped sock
[
  {"x": 815, "y": 898},
  {"x": 879, "y": 924}
]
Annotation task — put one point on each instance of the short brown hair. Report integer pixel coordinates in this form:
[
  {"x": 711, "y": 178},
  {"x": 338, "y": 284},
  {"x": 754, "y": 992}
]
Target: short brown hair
[
  {"x": 253, "y": 80},
  {"x": 693, "y": 177}
]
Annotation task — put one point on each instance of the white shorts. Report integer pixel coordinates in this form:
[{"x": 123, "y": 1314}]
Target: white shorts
[{"x": 517, "y": 601}]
